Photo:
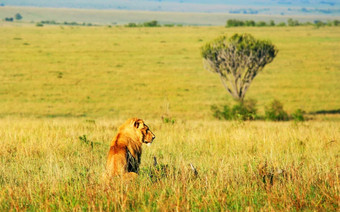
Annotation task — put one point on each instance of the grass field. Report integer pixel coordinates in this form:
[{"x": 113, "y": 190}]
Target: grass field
[
  {"x": 45, "y": 166},
  {"x": 60, "y": 83},
  {"x": 121, "y": 72}
]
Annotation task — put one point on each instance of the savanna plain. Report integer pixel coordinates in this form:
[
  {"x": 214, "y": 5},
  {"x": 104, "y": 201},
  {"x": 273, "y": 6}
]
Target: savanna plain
[{"x": 65, "y": 90}]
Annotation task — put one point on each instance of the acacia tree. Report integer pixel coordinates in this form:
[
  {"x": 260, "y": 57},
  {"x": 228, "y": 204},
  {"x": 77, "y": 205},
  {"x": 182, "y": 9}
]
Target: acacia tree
[{"x": 237, "y": 61}]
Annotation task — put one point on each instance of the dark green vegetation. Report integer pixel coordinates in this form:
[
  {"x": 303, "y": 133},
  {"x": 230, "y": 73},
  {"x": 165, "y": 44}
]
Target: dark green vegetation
[
  {"x": 275, "y": 111},
  {"x": 153, "y": 23},
  {"x": 243, "y": 111},
  {"x": 290, "y": 22},
  {"x": 18, "y": 16},
  {"x": 247, "y": 110},
  {"x": 64, "y": 23}
]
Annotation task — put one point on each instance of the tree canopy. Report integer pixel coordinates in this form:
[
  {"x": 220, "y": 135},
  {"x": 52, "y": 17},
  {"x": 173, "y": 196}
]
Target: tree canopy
[{"x": 237, "y": 60}]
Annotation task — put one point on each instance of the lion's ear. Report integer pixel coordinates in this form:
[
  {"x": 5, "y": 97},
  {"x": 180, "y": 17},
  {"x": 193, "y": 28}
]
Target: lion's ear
[{"x": 138, "y": 123}]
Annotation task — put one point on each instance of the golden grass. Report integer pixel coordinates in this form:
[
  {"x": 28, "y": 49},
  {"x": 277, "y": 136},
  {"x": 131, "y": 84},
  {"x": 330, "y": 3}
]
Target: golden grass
[{"x": 45, "y": 166}]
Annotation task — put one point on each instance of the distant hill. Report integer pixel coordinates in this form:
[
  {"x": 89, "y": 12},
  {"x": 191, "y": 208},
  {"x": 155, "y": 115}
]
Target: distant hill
[
  {"x": 113, "y": 17},
  {"x": 265, "y": 7}
]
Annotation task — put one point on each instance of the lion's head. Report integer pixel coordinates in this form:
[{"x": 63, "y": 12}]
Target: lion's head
[{"x": 139, "y": 129}]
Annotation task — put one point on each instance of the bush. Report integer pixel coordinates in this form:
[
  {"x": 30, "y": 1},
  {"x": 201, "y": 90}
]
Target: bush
[
  {"x": 275, "y": 112},
  {"x": 318, "y": 23},
  {"x": 73, "y": 23},
  {"x": 39, "y": 24},
  {"x": 298, "y": 115},
  {"x": 131, "y": 25},
  {"x": 225, "y": 113},
  {"x": 18, "y": 16},
  {"x": 49, "y": 22},
  {"x": 153, "y": 23},
  {"x": 292, "y": 22},
  {"x": 9, "y": 19},
  {"x": 261, "y": 24},
  {"x": 245, "y": 110},
  {"x": 234, "y": 23},
  {"x": 250, "y": 23}
]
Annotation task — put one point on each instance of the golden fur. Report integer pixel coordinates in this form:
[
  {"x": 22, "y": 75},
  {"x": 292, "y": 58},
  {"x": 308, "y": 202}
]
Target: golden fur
[{"x": 126, "y": 148}]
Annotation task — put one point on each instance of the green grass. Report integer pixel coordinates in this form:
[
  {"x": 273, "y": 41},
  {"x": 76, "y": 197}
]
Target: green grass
[{"x": 147, "y": 72}]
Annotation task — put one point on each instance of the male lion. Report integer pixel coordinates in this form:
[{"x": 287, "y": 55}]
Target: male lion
[{"x": 126, "y": 148}]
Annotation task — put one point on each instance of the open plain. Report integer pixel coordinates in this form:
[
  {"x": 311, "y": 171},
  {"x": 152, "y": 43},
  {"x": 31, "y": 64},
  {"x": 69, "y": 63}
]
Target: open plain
[{"x": 65, "y": 89}]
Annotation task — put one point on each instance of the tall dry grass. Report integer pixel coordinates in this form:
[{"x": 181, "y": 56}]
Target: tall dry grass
[{"x": 44, "y": 165}]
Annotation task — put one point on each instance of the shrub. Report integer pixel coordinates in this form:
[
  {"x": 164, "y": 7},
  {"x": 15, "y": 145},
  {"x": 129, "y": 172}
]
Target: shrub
[
  {"x": 73, "y": 23},
  {"x": 9, "y": 19},
  {"x": 275, "y": 112},
  {"x": 234, "y": 23},
  {"x": 39, "y": 24},
  {"x": 261, "y": 24},
  {"x": 131, "y": 25},
  {"x": 292, "y": 22},
  {"x": 318, "y": 23},
  {"x": 49, "y": 22},
  {"x": 169, "y": 25},
  {"x": 153, "y": 23},
  {"x": 225, "y": 113},
  {"x": 250, "y": 23},
  {"x": 329, "y": 23},
  {"x": 336, "y": 23},
  {"x": 298, "y": 115},
  {"x": 18, "y": 16},
  {"x": 245, "y": 110}
]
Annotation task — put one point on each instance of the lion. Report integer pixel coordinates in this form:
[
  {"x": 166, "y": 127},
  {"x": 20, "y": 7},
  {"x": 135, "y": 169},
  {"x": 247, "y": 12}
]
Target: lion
[{"x": 125, "y": 152}]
